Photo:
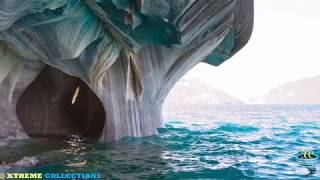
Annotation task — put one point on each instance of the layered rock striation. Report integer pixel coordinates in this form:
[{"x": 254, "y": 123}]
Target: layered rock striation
[{"x": 123, "y": 55}]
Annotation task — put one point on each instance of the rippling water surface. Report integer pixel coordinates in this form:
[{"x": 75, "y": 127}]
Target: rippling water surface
[{"x": 203, "y": 142}]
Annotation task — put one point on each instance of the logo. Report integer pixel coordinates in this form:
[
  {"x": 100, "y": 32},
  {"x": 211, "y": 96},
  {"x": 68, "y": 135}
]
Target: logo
[
  {"x": 308, "y": 160},
  {"x": 50, "y": 176}
]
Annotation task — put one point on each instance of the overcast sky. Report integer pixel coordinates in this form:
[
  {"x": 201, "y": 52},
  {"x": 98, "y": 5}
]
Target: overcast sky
[{"x": 284, "y": 46}]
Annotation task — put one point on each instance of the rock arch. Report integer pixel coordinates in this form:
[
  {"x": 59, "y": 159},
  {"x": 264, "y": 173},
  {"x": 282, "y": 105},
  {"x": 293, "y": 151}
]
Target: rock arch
[{"x": 129, "y": 53}]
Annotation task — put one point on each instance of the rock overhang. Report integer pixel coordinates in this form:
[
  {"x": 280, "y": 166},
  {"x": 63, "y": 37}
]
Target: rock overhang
[{"x": 129, "y": 52}]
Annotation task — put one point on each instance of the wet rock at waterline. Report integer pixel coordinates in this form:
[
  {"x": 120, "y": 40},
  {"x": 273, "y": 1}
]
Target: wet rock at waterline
[{"x": 103, "y": 68}]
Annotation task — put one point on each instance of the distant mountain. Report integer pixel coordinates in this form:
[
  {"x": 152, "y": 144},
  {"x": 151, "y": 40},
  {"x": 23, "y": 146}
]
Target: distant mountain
[
  {"x": 194, "y": 92},
  {"x": 304, "y": 91}
]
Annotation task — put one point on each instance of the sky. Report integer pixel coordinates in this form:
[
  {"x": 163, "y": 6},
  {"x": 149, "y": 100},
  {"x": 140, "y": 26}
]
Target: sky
[{"x": 284, "y": 46}]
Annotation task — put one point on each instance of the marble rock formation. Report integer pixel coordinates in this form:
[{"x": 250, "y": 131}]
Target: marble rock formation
[{"x": 121, "y": 57}]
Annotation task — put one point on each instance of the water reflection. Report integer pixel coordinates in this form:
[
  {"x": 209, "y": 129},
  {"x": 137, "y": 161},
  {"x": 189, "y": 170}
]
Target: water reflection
[
  {"x": 213, "y": 143},
  {"x": 75, "y": 151}
]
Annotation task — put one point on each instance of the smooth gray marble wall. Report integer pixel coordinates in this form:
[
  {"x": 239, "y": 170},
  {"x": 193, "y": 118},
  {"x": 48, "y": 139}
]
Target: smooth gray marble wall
[{"x": 10, "y": 90}]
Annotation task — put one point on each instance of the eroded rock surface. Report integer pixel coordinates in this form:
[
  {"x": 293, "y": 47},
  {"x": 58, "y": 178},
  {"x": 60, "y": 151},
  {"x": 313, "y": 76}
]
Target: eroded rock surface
[{"x": 129, "y": 53}]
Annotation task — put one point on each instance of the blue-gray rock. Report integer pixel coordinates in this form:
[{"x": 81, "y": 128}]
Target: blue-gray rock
[{"x": 125, "y": 55}]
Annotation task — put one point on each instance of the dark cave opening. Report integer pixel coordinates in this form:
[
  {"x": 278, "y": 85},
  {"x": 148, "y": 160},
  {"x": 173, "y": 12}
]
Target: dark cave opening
[{"x": 45, "y": 108}]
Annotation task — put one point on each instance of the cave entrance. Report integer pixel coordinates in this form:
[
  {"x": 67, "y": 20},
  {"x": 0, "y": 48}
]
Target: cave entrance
[{"x": 46, "y": 107}]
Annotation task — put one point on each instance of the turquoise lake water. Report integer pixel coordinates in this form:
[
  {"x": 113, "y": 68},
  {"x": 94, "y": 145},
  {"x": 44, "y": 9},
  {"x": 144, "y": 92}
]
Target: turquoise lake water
[{"x": 203, "y": 142}]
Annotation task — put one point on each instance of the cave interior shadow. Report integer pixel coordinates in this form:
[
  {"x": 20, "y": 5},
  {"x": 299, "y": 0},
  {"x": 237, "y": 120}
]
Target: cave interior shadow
[{"x": 45, "y": 108}]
